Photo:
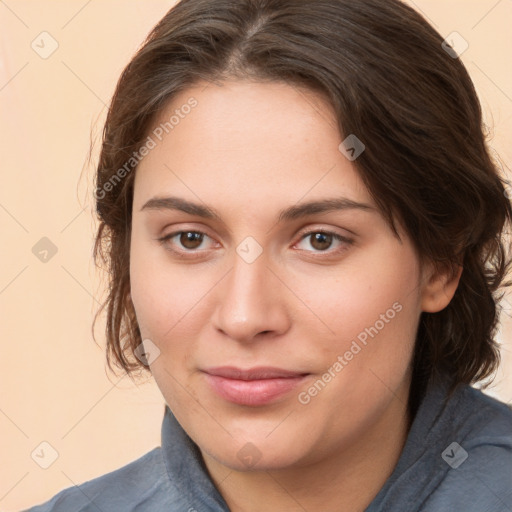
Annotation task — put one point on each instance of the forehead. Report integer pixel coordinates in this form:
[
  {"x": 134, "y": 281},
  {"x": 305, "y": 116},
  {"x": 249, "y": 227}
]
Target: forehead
[{"x": 248, "y": 141}]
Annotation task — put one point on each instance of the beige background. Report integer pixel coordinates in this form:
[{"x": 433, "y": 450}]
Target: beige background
[{"x": 54, "y": 386}]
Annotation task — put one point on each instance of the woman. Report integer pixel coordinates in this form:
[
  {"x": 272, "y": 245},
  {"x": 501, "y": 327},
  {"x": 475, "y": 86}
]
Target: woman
[{"x": 304, "y": 231}]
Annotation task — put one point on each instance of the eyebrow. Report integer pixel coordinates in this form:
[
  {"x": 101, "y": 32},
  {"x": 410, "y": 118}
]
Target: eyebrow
[{"x": 291, "y": 213}]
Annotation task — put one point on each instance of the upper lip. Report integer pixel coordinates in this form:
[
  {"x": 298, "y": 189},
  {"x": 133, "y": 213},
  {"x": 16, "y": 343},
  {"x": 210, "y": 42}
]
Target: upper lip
[{"x": 260, "y": 372}]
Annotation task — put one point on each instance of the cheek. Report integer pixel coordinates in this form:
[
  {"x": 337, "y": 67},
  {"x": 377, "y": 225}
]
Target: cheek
[
  {"x": 376, "y": 322},
  {"x": 173, "y": 305},
  {"x": 166, "y": 303},
  {"x": 163, "y": 295},
  {"x": 377, "y": 291},
  {"x": 372, "y": 311}
]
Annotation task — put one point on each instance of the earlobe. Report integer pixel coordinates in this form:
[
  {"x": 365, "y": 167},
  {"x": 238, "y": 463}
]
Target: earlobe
[{"x": 440, "y": 288}]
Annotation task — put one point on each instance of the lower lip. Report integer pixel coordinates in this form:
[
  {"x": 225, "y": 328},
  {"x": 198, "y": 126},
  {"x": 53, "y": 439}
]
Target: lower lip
[{"x": 253, "y": 392}]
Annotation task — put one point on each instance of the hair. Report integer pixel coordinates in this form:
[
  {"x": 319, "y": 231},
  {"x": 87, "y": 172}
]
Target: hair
[{"x": 390, "y": 82}]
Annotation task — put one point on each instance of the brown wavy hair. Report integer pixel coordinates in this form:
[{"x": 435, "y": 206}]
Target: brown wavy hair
[{"x": 384, "y": 71}]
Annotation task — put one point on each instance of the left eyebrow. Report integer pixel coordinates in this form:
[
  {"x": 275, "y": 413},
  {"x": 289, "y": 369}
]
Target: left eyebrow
[
  {"x": 288, "y": 214},
  {"x": 326, "y": 205}
]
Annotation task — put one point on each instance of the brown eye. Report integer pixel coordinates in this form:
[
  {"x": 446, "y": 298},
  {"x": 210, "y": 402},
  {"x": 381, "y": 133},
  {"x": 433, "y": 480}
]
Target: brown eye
[
  {"x": 188, "y": 244},
  {"x": 321, "y": 241},
  {"x": 326, "y": 242},
  {"x": 191, "y": 239}
]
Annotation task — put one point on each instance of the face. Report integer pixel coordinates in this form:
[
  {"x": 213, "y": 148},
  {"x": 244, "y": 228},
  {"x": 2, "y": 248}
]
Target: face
[{"x": 282, "y": 306}]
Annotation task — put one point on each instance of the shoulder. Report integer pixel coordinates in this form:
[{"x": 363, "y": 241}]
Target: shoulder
[
  {"x": 143, "y": 481},
  {"x": 491, "y": 415},
  {"x": 477, "y": 460},
  {"x": 457, "y": 456},
  {"x": 480, "y": 421}
]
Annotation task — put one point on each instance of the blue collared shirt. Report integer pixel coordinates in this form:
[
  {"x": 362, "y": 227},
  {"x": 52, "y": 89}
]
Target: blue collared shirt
[{"x": 457, "y": 457}]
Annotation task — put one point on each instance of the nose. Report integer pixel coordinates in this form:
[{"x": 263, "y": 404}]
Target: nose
[{"x": 251, "y": 302}]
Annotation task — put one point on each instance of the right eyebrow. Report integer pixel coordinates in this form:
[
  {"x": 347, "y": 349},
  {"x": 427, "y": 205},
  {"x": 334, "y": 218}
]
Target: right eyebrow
[{"x": 176, "y": 203}]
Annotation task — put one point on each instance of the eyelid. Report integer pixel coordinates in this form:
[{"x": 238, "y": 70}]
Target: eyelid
[
  {"x": 322, "y": 229},
  {"x": 183, "y": 228}
]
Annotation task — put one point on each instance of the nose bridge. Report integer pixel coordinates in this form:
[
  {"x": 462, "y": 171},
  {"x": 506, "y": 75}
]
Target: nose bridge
[
  {"x": 250, "y": 301},
  {"x": 246, "y": 287}
]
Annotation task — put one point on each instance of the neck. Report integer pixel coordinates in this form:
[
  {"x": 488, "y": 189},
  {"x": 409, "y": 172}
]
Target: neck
[{"x": 347, "y": 479}]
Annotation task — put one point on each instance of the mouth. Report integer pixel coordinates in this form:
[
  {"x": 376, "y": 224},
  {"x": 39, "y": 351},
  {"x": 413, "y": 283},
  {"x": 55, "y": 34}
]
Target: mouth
[{"x": 253, "y": 387}]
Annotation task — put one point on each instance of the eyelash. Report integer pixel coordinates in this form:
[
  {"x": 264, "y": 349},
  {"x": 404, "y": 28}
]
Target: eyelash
[{"x": 197, "y": 253}]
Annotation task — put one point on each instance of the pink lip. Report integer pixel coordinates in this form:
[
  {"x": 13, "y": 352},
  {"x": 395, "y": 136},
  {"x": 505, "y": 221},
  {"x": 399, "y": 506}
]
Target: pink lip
[{"x": 255, "y": 386}]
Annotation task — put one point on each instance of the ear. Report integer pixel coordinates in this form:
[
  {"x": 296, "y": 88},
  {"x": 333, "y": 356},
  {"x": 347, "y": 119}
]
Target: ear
[{"x": 439, "y": 287}]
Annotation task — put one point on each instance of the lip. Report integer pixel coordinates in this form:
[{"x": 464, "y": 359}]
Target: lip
[{"x": 254, "y": 386}]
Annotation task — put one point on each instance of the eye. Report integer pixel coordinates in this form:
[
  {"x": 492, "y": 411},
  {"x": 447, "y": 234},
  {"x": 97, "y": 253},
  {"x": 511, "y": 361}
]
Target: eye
[
  {"x": 186, "y": 241},
  {"x": 193, "y": 243},
  {"x": 322, "y": 241}
]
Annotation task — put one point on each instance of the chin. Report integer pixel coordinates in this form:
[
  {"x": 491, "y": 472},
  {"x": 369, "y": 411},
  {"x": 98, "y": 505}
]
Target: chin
[{"x": 258, "y": 453}]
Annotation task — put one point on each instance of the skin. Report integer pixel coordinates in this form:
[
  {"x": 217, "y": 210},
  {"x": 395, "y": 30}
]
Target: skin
[{"x": 249, "y": 150}]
